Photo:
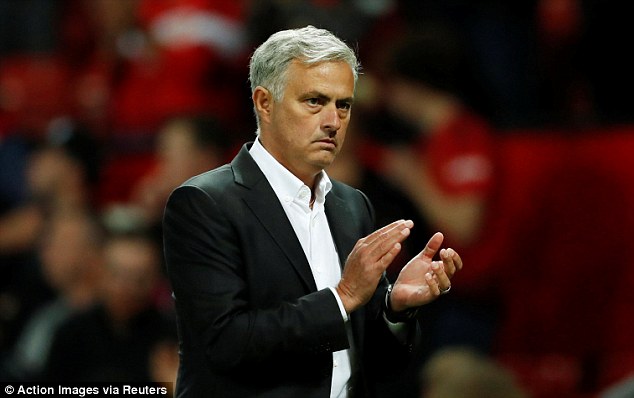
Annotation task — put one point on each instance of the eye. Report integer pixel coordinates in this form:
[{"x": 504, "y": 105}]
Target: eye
[
  {"x": 344, "y": 105},
  {"x": 314, "y": 101}
]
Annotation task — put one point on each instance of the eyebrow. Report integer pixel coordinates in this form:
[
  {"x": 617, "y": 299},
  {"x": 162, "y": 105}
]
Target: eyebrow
[{"x": 321, "y": 96}]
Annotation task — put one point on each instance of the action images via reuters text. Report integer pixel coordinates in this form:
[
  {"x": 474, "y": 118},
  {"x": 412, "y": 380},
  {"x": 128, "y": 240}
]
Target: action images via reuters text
[{"x": 82, "y": 391}]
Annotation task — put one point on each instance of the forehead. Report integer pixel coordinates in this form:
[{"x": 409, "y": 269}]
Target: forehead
[{"x": 334, "y": 78}]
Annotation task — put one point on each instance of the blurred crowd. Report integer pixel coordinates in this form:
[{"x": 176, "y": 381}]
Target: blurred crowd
[{"x": 108, "y": 105}]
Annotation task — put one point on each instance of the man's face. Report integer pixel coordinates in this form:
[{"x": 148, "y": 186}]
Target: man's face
[
  {"x": 306, "y": 129},
  {"x": 133, "y": 268}
]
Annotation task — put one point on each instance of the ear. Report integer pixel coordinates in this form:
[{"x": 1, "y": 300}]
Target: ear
[{"x": 263, "y": 103}]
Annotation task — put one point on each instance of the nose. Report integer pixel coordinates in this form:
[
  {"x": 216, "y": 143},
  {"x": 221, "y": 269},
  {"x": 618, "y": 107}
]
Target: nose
[{"x": 331, "y": 121}]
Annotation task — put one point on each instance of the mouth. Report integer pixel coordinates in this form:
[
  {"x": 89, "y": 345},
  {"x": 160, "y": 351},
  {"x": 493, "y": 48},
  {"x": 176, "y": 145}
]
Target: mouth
[{"x": 328, "y": 143}]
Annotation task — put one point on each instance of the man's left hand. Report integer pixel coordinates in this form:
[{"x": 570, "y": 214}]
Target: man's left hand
[{"x": 423, "y": 279}]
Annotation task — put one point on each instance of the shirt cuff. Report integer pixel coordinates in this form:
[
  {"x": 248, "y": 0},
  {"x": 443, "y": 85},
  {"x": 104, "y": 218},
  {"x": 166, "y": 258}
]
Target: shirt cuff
[{"x": 344, "y": 314}]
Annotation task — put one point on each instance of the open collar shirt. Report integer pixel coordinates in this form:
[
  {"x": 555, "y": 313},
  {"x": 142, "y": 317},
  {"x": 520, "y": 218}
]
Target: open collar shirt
[{"x": 313, "y": 232}]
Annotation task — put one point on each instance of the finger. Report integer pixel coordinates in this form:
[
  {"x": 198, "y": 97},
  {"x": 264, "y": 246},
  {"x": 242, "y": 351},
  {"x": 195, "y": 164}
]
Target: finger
[
  {"x": 387, "y": 259},
  {"x": 432, "y": 246},
  {"x": 367, "y": 240},
  {"x": 433, "y": 284},
  {"x": 456, "y": 259},
  {"x": 399, "y": 224},
  {"x": 386, "y": 241},
  {"x": 440, "y": 275},
  {"x": 447, "y": 260}
]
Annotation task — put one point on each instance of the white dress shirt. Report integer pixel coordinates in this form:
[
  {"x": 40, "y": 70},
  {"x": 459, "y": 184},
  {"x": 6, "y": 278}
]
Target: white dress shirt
[{"x": 312, "y": 230}]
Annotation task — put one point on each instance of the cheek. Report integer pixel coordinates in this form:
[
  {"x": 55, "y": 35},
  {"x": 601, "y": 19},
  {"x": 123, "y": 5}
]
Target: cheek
[
  {"x": 299, "y": 129},
  {"x": 341, "y": 138}
]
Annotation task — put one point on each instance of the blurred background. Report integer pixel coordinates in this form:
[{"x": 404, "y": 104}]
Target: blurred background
[{"x": 507, "y": 125}]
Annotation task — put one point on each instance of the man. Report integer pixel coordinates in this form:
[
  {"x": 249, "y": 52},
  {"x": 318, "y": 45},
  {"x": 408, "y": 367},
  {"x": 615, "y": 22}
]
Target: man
[
  {"x": 278, "y": 293},
  {"x": 71, "y": 259},
  {"x": 114, "y": 339}
]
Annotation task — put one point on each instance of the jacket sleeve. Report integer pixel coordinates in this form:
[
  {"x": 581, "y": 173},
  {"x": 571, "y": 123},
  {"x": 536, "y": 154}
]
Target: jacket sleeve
[{"x": 381, "y": 347}]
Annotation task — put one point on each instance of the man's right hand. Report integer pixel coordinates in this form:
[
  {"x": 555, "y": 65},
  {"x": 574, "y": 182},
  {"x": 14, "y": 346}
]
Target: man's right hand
[{"x": 369, "y": 258}]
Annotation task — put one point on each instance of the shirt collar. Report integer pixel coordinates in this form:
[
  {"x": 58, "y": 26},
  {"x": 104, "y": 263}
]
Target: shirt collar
[{"x": 286, "y": 185}]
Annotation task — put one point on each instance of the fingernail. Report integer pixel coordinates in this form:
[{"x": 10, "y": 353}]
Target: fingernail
[
  {"x": 405, "y": 231},
  {"x": 409, "y": 223}
]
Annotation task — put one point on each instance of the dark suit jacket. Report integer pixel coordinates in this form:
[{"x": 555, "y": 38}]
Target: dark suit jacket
[{"x": 251, "y": 322}]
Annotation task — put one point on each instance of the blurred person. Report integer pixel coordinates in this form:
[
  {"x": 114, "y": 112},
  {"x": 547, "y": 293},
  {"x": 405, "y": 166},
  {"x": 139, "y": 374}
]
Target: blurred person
[
  {"x": 432, "y": 146},
  {"x": 459, "y": 372},
  {"x": 446, "y": 167},
  {"x": 64, "y": 169},
  {"x": 352, "y": 20},
  {"x": 112, "y": 340},
  {"x": 186, "y": 146},
  {"x": 71, "y": 259},
  {"x": 390, "y": 204},
  {"x": 278, "y": 293},
  {"x": 187, "y": 53},
  {"x": 60, "y": 173},
  {"x": 164, "y": 363},
  {"x": 389, "y": 201},
  {"x": 188, "y": 70}
]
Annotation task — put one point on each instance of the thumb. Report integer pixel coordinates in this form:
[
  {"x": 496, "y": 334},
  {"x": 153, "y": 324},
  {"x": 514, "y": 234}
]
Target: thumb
[{"x": 432, "y": 246}]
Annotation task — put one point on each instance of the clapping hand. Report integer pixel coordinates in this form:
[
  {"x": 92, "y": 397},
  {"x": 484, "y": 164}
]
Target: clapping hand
[{"x": 423, "y": 279}]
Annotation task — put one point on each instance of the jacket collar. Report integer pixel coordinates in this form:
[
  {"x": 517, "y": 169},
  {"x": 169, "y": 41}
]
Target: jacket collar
[{"x": 265, "y": 205}]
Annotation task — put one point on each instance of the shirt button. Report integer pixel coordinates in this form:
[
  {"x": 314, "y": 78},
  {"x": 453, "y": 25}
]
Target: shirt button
[{"x": 334, "y": 363}]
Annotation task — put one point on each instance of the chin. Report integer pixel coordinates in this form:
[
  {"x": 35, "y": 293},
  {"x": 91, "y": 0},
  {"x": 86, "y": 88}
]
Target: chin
[{"x": 324, "y": 162}]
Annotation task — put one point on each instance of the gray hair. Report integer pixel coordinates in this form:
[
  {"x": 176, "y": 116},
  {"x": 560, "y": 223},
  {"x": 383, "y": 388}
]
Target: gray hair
[{"x": 308, "y": 45}]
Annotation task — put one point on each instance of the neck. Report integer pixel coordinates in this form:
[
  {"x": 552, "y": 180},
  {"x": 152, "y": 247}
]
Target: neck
[
  {"x": 82, "y": 296},
  {"x": 309, "y": 178},
  {"x": 83, "y": 291}
]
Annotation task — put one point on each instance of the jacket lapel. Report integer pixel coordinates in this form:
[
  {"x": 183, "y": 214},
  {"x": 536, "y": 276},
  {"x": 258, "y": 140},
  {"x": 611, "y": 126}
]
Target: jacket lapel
[
  {"x": 341, "y": 228},
  {"x": 345, "y": 235},
  {"x": 264, "y": 204}
]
